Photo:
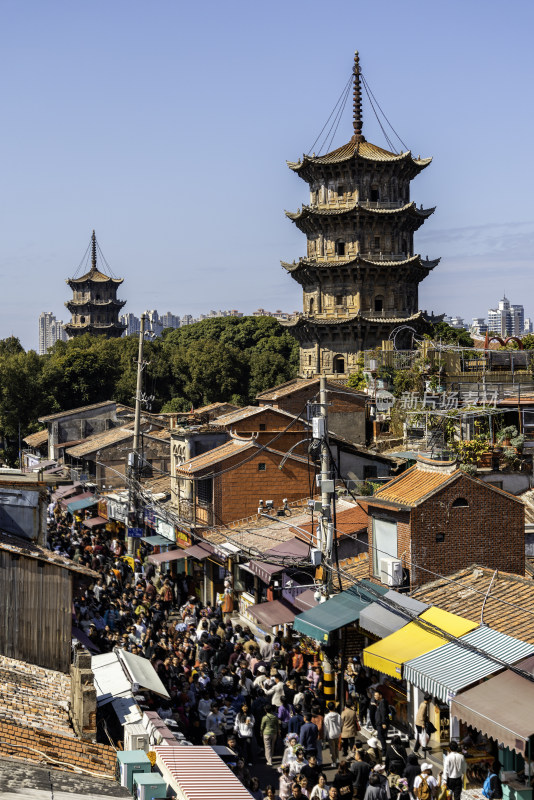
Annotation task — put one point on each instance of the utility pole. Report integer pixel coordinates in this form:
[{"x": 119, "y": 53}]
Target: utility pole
[
  {"x": 133, "y": 460},
  {"x": 326, "y": 527}
]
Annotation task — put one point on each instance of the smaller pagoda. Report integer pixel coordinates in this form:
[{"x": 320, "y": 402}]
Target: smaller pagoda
[{"x": 94, "y": 306}]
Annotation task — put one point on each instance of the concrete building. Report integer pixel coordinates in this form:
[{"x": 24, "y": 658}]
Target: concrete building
[
  {"x": 132, "y": 324},
  {"x": 67, "y": 428},
  {"x": 507, "y": 319},
  {"x": 51, "y": 331},
  {"x": 360, "y": 276}
]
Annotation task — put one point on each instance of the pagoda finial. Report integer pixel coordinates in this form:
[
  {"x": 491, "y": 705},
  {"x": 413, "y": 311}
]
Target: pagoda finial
[
  {"x": 93, "y": 252},
  {"x": 357, "y": 121}
]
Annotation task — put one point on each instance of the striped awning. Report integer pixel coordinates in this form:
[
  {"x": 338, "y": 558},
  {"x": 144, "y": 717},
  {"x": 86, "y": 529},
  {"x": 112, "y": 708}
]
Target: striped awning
[
  {"x": 196, "y": 773},
  {"x": 447, "y": 670}
]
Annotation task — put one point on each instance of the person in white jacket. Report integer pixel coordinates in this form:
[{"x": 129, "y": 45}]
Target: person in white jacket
[
  {"x": 276, "y": 692},
  {"x": 332, "y": 731}
]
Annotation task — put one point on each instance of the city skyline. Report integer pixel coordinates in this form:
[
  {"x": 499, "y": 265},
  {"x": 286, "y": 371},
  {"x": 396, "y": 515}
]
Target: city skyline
[{"x": 175, "y": 217}]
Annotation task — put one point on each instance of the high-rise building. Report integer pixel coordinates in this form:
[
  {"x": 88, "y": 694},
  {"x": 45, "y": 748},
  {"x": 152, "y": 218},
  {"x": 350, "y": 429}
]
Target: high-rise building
[
  {"x": 51, "y": 330},
  {"x": 169, "y": 320},
  {"x": 507, "y": 319},
  {"x": 132, "y": 324},
  {"x": 360, "y": 276},
  {"x": 479, "y": 326},
  {"x": 94, "y": 305}
]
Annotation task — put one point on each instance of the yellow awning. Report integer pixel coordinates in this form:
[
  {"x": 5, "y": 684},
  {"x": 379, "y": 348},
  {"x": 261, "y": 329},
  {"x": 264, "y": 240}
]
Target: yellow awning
[{"x": 414, "y": 640}]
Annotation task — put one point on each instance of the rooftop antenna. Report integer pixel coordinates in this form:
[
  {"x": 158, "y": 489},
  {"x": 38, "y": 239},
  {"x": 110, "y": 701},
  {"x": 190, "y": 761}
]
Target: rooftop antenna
[{"x": 357, "y": 120}]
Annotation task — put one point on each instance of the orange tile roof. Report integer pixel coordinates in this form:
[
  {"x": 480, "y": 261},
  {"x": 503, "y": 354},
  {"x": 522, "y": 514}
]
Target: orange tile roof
[
  {"x": 354, "y": 568},
  {"x": 348, "y": 520},
  {"x": 221, "y": 453},
  {"x": 414, "y": 485}
]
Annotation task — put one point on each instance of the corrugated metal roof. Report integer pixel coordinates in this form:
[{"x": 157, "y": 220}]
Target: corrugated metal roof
[
  {"x": 381, "y": 619},
  {"x": 196, "y": 773},
  {"x": 449, "y": 669}
]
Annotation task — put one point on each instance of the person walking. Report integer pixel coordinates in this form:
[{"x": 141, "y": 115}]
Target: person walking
[
  {"x": 425, "y": 786},
  {"x": 332, "y": 731},
  {"x": 309, "y": 736},
  {"x": 360, "y": 774},
  {"x": 421, "y": 718},
  {"x": 454, "y": 768},
  {"x": 244, "y": 727},
  {"x": 349, "y": 727},
  {"x": 270, "y": 730},
  {"x": 382, "y": 719}
]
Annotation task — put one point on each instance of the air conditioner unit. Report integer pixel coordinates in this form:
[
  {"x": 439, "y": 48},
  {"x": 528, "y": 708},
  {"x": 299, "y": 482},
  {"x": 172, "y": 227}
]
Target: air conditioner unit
[
  {"x": 136, "y": 737},
  {"x": 391, "y": 571}
]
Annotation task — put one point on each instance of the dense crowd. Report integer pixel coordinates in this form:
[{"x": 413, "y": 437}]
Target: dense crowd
[{"x": 262, "y": 698}]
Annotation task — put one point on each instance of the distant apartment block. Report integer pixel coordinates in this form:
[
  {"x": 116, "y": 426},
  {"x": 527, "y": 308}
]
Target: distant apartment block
[
  {"x": 51, "y": 331},
  {"x": 507, "y": 319}
]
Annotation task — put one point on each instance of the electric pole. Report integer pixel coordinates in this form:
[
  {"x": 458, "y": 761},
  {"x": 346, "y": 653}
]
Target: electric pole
[{"x": 133, "y": 460}]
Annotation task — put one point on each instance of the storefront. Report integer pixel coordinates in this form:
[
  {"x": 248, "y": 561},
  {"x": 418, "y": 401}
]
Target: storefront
[
  {"x": 388, "y": 656},
  {"x": 455, "y": 666},
  {"x": 272, "y": 617},
  {"x": 501, "y": 710}
]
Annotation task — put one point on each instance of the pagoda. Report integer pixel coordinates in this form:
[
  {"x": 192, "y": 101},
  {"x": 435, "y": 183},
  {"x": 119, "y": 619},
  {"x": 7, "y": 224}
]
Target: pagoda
[
  {"x": 360, "y": 276},
  {"x": 94, "y": 306}
]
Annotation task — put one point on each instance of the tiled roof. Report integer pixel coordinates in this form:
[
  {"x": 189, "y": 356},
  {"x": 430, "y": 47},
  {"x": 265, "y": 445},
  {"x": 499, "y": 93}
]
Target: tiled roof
[
  {"x": 464, "y": 593},
  {"x": 214, "y": 407},
  {"x": 250, "y": 411},
  {"x": 528, "y": 500},
  {"x": 61, "y": 414},
  {"x": 317, "y": 211},
  {"x": 36, "y": 439},
  {"x": 302, "y": 322},
  {"x": 310, "y": 263},
  {"x": 262, "y": 534},
  {"x": 96, "y": 276},
  {"x": 365, "y": 150},
  {"x": 350, "y": 518},
  {"x": 354, "y": 569},
  {"x": 215, "y": 456},
  {"x": 415, "y": 485},
  {"x": 99, "y": 440},
  {"x": 297, "y": 384}
]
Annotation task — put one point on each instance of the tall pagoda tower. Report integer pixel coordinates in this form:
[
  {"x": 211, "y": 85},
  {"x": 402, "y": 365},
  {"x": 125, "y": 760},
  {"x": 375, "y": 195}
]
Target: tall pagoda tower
[
  {"x": 360, "y": 276},
  {"x": 94, "y": 306}
]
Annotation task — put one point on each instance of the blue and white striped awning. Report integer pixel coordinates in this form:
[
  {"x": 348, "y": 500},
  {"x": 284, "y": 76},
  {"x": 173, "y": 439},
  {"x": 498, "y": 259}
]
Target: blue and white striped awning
[{"x": 447, "y": 670}]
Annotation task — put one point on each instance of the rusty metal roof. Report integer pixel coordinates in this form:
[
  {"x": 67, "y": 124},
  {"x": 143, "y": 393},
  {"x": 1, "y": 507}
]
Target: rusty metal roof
[{"x": 29, "y": 549}]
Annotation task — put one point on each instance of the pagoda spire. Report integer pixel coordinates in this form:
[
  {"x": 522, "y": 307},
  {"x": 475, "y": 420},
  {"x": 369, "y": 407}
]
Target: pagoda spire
[
  {"x": 93, "y": 252},
  {"x": 357, "y": 120}
]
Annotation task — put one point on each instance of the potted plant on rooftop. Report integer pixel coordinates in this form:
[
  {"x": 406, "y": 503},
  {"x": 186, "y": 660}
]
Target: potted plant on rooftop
[{"x": 506, "y": 435}]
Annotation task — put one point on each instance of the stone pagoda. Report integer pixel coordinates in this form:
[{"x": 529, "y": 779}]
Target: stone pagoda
[
  {"x": 360, "y": 276},
  {"x": 94, "y": 306}
]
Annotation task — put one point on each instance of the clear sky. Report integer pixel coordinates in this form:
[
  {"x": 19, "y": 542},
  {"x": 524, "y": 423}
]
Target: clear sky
[{"x": 166, "y": 125}]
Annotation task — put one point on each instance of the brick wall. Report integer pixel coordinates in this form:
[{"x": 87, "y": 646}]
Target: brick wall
[
  {"x": 17, "y": 741},
  {"x": 236, "y": 493},
  {"x": 490, "y": 531},
  {"x": 269, "y": 418}
]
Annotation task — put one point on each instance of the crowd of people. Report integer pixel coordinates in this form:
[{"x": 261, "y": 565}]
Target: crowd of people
[{"x": 262, "y": 698}]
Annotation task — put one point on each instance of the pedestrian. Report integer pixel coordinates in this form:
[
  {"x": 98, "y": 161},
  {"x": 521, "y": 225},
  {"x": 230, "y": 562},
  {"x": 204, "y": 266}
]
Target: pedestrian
[
  {"x": 320, "y": 791},
  {"x": 425, "y": 786},
  {"x": 382, "y": 719},
  {"x": 309, "y": 736},
  {"x": 285, "y": 783},
  {"x": 332, "y": 731},
  {"x": 421, "y": 719},
  {"x": 244, "y": 727},
  {"x": 492, "y": 788},
  {"x": 298, "y": 762},
  {"x": 254, "y": 788},
  {"x": 396, "y": 756},
  {"x": 360, "y": 770},
  {"x": 349, "y": 727},
  {"x": 270, "y": 730},
  {"x": 454, "y": 769},
  {"x": 343, "y": 780},
  {"x": 375, "y": 790},
  {"x": 411, "y": 770}
]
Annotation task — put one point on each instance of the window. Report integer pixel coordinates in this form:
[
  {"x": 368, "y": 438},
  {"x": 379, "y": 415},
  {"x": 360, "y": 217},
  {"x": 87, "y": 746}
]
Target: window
[
  {"x": 377, "y": 242},
  {"x": 340, "y": 248},
  {"x": 204, "y": 490},
  {"x": 384, "y": 542},
  {"x": 309, "y": 361},
  {"x": 339, "y": 299},
  {"x": 440, "y": 537},
  {"x": 460, "y": 502},
  {"x": 339, "y": 365},
  {"x": 370, "y": 471},
  {"x": 374, "y": 195},
  {"x": 340, "y": 191},
  {"x": 310, "y": 305},
  {"x": 262, "y": 466},
  {"x": 404, "y": 246},
  {"x": 379, "y": 303},
  {"x": 262, "y": 424},
  {"x": 82, "y": 319}
]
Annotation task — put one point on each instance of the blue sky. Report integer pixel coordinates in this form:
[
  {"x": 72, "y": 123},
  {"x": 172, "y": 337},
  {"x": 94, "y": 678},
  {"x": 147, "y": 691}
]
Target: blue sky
[{"x": 166, "y": 126}]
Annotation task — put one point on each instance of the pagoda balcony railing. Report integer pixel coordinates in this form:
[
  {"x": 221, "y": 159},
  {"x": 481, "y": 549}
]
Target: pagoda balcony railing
[
  {"x": 342, "y": 203},
  {"x": 374, "y": 255},
  {"x": 382, "y": 203}
]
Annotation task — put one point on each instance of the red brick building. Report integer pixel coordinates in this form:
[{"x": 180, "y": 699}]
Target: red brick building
[
  {"x": 346, "y": 410},
  {"x": 435, "y": 517},
  {"x": 227, "y": 483}
]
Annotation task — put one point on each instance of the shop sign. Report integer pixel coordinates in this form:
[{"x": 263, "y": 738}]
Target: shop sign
[
  {"x": 164, "y": 529},
  {"x": 102, "y": 509},
  {"x": 150, "y": 517},
  {"x": 245, "y": 601},
  {"x": 117, "y": 510},
  {"x": 135, "y": 533},
  {"x": 182, "y": 537}
]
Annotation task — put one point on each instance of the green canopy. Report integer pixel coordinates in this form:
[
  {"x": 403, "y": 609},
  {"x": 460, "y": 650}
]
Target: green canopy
[
  {"x": 78, "y": 505},
  {"x": 342, "y": 609}
]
